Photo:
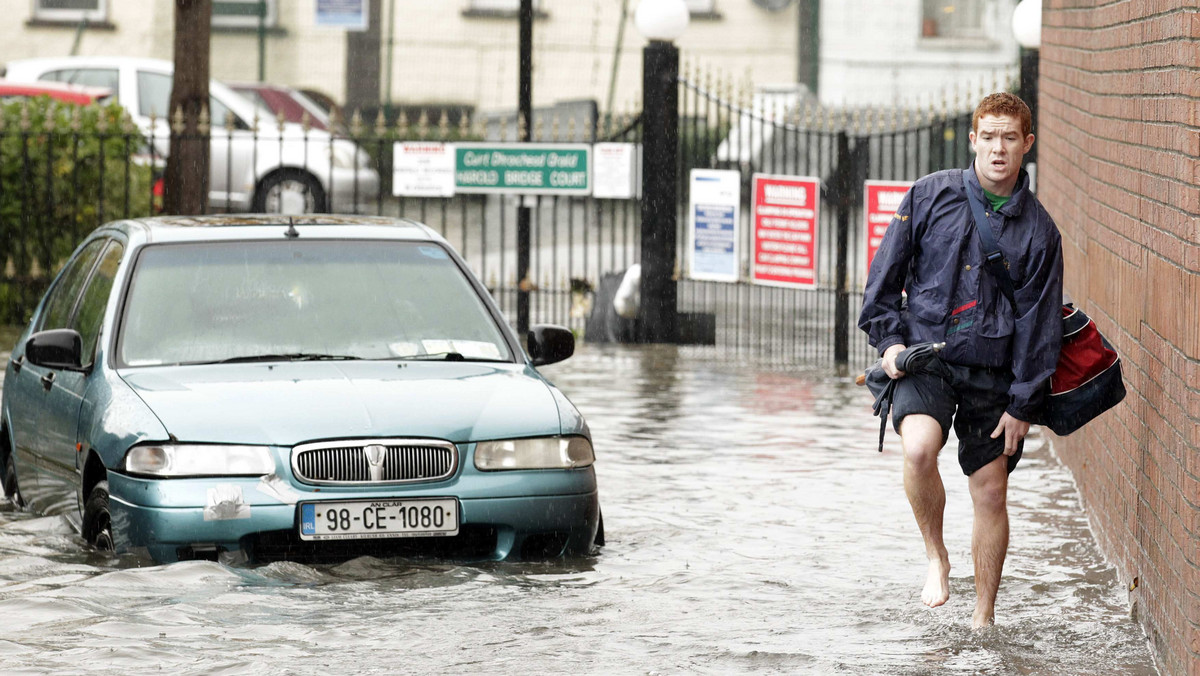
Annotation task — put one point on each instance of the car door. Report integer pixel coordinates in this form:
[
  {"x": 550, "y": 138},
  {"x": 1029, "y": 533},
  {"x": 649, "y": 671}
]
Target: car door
[
  {"x": 60, "y": 420},
  {"x": 28, "y": 393}
]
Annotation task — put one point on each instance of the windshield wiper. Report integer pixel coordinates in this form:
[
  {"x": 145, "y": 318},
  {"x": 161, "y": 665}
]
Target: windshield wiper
[
  {"x": 445, "y": 356},
  {"x": 436, "y": 356},
  {"x": 287, "y": 356}
]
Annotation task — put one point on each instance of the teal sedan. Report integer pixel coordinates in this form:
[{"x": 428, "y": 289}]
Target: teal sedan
[{"x": 250, "y": 388}]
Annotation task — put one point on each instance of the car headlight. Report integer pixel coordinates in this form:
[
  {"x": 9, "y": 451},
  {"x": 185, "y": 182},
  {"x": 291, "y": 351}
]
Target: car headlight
[
  {"x": 537, "y": 453},
  {"x": 180, "y": 460},
  {"x": 347, "y": 155}
]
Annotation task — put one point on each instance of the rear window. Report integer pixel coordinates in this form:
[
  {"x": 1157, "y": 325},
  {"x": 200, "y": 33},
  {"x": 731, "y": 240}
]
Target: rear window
[{"x": 93, "y": 77}]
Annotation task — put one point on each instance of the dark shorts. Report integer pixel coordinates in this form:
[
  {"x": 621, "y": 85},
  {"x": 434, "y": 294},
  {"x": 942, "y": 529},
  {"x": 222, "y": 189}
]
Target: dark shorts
[{"x": 970, "y": 398}]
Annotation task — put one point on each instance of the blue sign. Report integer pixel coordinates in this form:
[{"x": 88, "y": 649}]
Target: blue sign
[
  {"x": 348, "y": 14},
  {"x": 713, "y": 243},
  {"x": 713, "y": 212}
]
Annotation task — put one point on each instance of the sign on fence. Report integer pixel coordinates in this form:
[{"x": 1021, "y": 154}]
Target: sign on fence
[
  {"x": 423, "y": 169},
  {"x": 615, "y": 168},
  {"x": 882, "y": 200},
  {"x": 713, "y": 214},
  {"x": 784, "y": 215},
  {"x": 523, "y": 168}
]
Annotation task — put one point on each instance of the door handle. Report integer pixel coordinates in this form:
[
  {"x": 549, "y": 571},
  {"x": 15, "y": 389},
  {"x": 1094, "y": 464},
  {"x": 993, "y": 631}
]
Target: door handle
[
  {"x": 48, "y": 380},
  {"x": 17, "y": 363}
]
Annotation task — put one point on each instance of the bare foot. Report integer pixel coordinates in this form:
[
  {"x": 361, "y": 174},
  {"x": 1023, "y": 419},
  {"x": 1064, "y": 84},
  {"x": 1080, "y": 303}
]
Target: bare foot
[
  {"x": 937, "y": 584},
  {"x": 982, "y": 619}
]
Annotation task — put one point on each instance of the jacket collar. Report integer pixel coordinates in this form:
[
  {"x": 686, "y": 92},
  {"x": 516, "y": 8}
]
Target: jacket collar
[{"x": 1016, "y": 203}]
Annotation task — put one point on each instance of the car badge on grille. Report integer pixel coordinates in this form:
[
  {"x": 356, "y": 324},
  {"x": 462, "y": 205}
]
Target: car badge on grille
[{"x": 375, "y": 456}]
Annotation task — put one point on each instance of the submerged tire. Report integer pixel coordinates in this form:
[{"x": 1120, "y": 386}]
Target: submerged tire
[
  {"x": 12, "y": 489},
  {"x": 97, "y": 522},
  {"x": 599, "y": 541}
]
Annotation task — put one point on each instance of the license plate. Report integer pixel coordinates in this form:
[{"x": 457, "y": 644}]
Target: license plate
[{"x": 363, "y": 519}]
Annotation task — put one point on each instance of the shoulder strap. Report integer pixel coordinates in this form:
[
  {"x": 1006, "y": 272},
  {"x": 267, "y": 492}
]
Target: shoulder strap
[{"x": 993, "y": 257}]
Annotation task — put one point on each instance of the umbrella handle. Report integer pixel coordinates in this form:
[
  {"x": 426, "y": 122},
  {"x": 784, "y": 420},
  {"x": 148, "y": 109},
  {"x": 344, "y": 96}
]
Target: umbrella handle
[{"x": 861, "y": 379}]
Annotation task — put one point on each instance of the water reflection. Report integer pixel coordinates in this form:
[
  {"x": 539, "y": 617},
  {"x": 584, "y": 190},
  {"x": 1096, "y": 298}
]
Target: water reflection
[{"x": 751, "y": 525}]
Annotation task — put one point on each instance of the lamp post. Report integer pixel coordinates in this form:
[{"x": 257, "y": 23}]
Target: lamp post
[
  {"x": 525, "y": 134},
  {"x": 661, "y": 22},
  {"x": 1027, "y": 29}
]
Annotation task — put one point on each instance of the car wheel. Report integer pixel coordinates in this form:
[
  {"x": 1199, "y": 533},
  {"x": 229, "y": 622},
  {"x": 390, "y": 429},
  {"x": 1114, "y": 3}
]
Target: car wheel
[
  {"x": 12, "y": 489},
  {"x": 289, "y": 192},
  {"x": 97, "y": 523}
]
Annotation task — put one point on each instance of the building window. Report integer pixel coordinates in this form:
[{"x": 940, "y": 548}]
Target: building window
[
  {"x": 701, "y": 6},
  {"x": 955, "y": 19},
  {"x": 94, "y": 11},
  {"x": 243, "y": 13}
]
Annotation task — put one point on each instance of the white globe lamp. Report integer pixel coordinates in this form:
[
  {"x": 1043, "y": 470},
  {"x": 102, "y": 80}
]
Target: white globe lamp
[
  {"x": 663, "y": 20},
  {"x": 1027, "y": 24}
]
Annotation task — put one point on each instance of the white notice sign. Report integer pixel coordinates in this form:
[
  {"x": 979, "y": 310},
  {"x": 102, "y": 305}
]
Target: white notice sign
[
  {"x": 614, "y": 167},
  {"x": 423, "y": 169},
  {"x": 713, "y": 216}
]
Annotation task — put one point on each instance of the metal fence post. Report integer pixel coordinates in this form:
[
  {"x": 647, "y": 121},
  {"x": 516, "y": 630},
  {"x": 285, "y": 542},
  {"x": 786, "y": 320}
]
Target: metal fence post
[
  {"x": 658, "y": 319},
  {"x": 524, "y": 112},
  {"x": 841, "y": 314}
]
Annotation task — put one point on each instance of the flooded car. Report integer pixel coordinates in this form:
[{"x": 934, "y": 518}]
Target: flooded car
[{"x": 316, "y": 387}]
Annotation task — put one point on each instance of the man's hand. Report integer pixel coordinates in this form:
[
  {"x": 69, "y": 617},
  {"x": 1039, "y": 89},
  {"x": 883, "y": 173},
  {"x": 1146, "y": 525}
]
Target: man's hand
[
  {"x": 889, "y": 361},
  {"x": 1013, "y": 430}
]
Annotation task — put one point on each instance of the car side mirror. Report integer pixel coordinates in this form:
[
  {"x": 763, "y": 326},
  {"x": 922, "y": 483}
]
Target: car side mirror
[
  {"x": 549, "y": 344},
  {"x": 55, "y": 349}
]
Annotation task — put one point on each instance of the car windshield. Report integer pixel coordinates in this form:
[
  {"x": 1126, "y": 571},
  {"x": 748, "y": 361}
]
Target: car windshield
[{"x": 303, "y": 300}]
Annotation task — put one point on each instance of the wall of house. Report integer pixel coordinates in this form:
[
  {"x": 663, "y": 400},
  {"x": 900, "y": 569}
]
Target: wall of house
[
  {"x": 1118, "y": 146},
  {"x": 132, "y": 29},
  {"x": 871, "y": 52}
]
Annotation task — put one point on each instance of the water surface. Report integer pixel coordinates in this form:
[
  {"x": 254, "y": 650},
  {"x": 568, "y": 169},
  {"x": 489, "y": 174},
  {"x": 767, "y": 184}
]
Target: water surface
[{"x": 752, "y": 527}]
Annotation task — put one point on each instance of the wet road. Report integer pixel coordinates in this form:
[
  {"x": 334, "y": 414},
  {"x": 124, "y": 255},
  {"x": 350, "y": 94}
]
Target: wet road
[{"x": 751, "y": 527}]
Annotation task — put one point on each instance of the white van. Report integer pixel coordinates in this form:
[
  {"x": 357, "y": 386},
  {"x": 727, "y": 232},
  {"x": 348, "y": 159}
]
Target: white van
[{"x": 268, "y": 170}]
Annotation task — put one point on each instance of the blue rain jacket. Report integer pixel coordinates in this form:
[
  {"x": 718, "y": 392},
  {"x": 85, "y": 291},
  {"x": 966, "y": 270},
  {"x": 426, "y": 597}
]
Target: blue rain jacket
[{"x": 931, "y": 251}]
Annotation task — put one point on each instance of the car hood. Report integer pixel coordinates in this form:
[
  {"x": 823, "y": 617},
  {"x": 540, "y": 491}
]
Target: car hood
[{"x": 289, "y": 403}]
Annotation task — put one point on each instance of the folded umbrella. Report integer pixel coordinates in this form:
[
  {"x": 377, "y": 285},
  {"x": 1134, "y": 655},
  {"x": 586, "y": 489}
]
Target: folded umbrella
[{"x": 881, "y": 385}]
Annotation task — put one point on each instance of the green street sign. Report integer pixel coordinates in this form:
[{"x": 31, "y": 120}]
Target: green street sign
[{"x": 523, "y": 168}]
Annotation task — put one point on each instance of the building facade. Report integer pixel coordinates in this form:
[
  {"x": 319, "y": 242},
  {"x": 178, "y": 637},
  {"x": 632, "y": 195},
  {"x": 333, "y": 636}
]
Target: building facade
[{"x": 464, "y": 52}]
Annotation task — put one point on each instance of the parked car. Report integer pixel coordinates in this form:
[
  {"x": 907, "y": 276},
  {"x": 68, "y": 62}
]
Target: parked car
[
  {"x": 264, "y": 170},
  {"x": 59, "y": 91},
  {"x": 319, "y": 388},
  {"x": 280, "y": 100}
]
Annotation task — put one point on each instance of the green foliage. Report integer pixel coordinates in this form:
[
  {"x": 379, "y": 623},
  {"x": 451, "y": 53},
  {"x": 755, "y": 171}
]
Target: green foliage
[{"x": 64, "y": 169}]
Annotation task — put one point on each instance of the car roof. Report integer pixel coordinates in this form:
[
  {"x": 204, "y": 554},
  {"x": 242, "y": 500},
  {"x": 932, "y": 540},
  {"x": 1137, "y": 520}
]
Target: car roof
[
  {"x": 257, "y": 86},
  {"x": 31, "y": 69},
  {"x": 41, "y": 64},
  {"x": 225, "y": 227},
  {"x": 61, "y": 91}
]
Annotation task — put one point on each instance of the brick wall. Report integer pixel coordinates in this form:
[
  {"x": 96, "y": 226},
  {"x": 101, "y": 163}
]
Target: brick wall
[{"x": 1119, "y": 142}]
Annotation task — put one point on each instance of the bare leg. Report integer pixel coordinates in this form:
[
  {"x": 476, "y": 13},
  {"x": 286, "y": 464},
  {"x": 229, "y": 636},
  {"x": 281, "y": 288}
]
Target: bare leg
[
  {"x": 989, "y": 537},
  {"x": 921, "y": 436}
]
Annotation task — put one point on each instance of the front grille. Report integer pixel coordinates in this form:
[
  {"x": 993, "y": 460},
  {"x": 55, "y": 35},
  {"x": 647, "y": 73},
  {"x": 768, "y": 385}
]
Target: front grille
[{"x": 372, "y": 461}]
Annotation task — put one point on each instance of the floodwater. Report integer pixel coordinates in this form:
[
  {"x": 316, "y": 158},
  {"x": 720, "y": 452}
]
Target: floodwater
[{"x": 751, "y": 524}]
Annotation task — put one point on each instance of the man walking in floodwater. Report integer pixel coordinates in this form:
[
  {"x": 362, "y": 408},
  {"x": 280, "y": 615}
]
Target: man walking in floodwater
[{"x": 928, "y": 283}]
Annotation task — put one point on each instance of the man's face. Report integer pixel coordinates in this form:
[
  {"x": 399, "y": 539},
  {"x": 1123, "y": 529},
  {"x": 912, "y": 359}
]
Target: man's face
[{"x": 999, "y": 147}]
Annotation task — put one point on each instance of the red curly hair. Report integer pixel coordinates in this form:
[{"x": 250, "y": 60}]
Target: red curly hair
[{"x": 1003, "y": 103}]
